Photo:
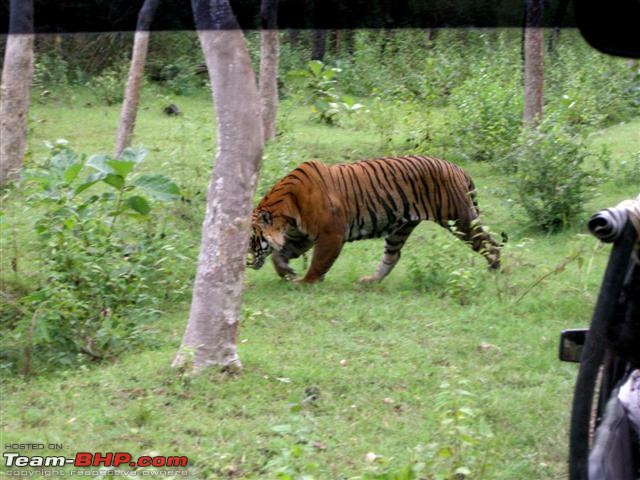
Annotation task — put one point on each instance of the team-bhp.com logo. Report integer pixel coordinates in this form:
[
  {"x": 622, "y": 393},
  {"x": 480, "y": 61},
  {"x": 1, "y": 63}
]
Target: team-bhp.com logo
[{"x": 86, "y": 459}]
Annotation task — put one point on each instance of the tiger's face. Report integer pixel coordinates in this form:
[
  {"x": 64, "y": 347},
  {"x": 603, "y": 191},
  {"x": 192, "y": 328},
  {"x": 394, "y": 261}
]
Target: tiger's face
[{"x": 267, "y": 235}]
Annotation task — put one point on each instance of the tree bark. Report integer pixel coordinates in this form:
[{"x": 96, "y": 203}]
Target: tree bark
[
  {"x": 319, "y": 44},
  {"x": 533, "y": 63},
  {"x": 269, "y": 57},
  {"x": 561, "y": 12},
  {"x": 17, "y": 73},
  {"x": 210, "y": 337},
  {"x": 136, "y": 75}
]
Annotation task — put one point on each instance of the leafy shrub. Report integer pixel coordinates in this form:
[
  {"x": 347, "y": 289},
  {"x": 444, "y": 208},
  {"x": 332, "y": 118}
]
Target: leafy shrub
[
  {"x": 319, "y": 88},
  {"x": 109, "y": 85},
  {"x": 50, "y": 71},
  {"x": 489, "y": 112},
  {"x": 550, "y": 180},
  {"x": 585, "y": 88},
  {"x": 181, "y": 77},
  {"x": 104, "y": 263},
  {"x": 450, "y": 271},
  {"x": 628, "y": 171}
]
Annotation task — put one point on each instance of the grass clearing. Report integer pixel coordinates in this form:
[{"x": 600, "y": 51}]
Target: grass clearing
[{"x": 333, "y": 371}]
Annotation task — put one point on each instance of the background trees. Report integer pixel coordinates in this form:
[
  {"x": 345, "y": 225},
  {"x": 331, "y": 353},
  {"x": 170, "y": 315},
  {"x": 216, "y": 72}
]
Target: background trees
[
  {"x": 269, "y": 57},
  {"x": 533, "y": 62},
  {"x": 135, "y": 78},
  {"x": 14, "y": 89}
]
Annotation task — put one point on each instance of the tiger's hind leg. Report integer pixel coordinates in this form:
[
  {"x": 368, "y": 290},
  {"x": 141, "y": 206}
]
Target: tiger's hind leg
[
  {"x": 472, "y": 232},
  {"x": 393, "y": 243}
]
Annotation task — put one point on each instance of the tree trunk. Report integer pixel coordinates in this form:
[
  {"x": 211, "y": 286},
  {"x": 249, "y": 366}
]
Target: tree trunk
[
  {"x": 210, "y": 337},
  {"x": 136, "y": 75},
  {"x": 533, "y": 63},
  {"x": 319, "y": 44},
  {"x": 561, "y": 12},
  {"x": 269, "y": 56},
  {"x": 17, "y": 73}
]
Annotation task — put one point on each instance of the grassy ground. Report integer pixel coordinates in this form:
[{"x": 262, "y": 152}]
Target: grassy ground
[{"x": 417, "y": 370}]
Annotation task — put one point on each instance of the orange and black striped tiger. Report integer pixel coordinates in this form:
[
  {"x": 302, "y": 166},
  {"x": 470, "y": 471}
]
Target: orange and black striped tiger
[{"x": 325, "y": 206}]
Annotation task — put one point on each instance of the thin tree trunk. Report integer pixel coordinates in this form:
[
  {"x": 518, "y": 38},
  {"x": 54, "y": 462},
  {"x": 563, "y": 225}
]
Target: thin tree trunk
[
  {"x": 533, "y": 63},
  {"x": 269, "y": 56},
  {"x": 561, "y": 12},
  {"x": 136, "y": 75},
  {"x": 210, "y": 337},
  {"x": 17, "y": 73},
  {"x": 319, "y": 44}
]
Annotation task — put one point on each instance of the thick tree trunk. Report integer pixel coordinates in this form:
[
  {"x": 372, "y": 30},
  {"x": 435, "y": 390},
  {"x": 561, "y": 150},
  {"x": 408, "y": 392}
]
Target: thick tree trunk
[
  {"x": 210, "y": 337},
  {"x": 269, "y": 56},
  {"x": 533, "y": 63},
  {"x": 17, "y": 73},
  {"x": 136, "y": 75},
  {"x": 319, "y": 44}
]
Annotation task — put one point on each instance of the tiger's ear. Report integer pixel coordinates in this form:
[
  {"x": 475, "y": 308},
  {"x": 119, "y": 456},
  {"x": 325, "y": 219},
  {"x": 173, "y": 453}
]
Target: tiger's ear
[{"x": 264, "y": 217}]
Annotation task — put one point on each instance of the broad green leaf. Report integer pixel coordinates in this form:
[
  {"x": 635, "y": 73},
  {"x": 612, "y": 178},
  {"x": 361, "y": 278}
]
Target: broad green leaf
[
  {"x": 91, "y": 180},
  {"x": 116, "y": 181},
  {"x": 40, "y": 176},
  {"x": 316, "y": 67},
  {"x": 328, "y": 74},
  {"x": 139, "y": 204},
  {"x": 64, "y": 159},
  {"x": 158, "y": 186},
  {"x": 135, "y": 155},
  {"x": 121, "y": 167},
  {"x": 99, "y": 162},
  {"x": 72, "y": 172}
]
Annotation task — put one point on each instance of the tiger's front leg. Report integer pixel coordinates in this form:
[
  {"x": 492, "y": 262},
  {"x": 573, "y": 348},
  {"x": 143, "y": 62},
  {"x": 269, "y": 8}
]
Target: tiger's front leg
[
  {"x": 281, "y": 264},
  {"x": 326, "y": 251}
]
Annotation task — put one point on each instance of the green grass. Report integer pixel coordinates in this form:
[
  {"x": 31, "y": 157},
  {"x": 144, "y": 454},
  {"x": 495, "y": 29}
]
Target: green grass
[{"x": 378, "y": 356}]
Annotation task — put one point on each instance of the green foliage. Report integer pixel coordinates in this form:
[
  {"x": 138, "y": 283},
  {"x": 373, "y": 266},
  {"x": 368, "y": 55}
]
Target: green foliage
[
  {"x": 628, "y": 171},
  {"x": 488, "y": 108},
  {"x": 109, "y": 85},
  {"x": 318, "y": 84},
  {"x": 50, "y": 71},
  {"x": 459, "y": 447},
  {"x": 448, "y": 271},
  {"x": 550, "y": 180},
  {"x": 290, "y": 448},
  {"x": 181, "y": 76},
  {"x": 587, "y": 89},
  {"x": 104, "y": 263}
]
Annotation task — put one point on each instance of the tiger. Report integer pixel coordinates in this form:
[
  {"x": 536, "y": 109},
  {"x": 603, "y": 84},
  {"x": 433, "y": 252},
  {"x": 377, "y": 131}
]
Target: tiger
[{"x": 325, "y": 206}]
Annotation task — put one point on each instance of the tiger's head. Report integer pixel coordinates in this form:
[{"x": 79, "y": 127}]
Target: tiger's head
[{"x": 267, "y": 234}]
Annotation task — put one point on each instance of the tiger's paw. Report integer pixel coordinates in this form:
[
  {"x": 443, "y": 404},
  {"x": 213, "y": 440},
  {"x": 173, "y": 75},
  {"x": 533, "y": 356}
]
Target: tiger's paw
[{"x": 367, "y": 279}]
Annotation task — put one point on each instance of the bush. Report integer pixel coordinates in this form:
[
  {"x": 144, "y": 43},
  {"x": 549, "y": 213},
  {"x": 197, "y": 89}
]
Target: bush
[
  {"x": 489, "y": 112},
  {"x": 585, "y": 88},
  {"x": 105, "y": 260},
  {"x": 550, "y": 180},
  {"x": 109, "y": 85},
  {"x": 318, "y": 86},
  {"x": 628, "y": 172}
]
